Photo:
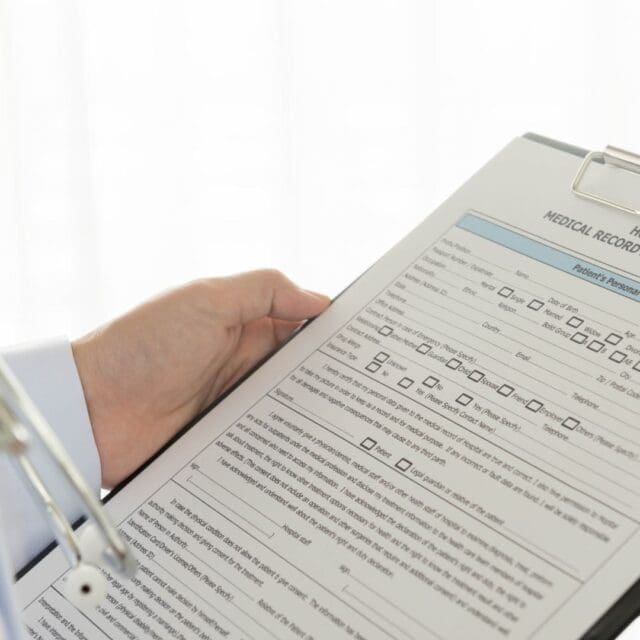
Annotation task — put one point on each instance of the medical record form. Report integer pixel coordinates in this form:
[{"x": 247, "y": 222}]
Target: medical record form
[{"x": 451, "y": 451}]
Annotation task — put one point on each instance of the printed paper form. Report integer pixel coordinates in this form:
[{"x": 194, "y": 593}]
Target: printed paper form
[{"x": 455, "y": 458}]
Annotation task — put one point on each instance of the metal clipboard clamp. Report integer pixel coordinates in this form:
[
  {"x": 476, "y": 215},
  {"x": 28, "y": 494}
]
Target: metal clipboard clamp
[
  {"x": 626, "y": 608},
  {"x": 615, "y": 157},
  {"x": 101, "y": 544}
]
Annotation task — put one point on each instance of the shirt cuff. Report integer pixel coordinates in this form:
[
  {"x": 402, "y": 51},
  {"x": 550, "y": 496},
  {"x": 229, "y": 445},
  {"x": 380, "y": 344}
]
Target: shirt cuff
[{"x": 49, "y": 375}]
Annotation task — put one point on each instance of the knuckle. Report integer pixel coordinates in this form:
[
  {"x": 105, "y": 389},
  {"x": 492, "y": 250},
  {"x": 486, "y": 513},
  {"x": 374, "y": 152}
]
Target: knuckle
[
  {"x": 275, "y": 277},
  {"x": 202, "y": 286},
  {"x": 207, "y": 291}
]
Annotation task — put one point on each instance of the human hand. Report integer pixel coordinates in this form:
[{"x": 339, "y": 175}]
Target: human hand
[{"x": 146, "y": 374}]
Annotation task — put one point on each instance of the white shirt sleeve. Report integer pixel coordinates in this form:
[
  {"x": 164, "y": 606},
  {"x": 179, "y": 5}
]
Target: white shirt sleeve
[{"x": 49, "y": 375}]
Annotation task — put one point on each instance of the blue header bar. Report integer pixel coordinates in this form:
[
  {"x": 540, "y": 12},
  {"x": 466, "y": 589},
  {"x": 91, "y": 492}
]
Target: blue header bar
[{"x": 552, "y": 257}]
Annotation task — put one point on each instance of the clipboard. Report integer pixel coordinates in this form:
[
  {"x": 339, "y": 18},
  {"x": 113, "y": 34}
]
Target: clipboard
[{"x": 627, "y": 607}]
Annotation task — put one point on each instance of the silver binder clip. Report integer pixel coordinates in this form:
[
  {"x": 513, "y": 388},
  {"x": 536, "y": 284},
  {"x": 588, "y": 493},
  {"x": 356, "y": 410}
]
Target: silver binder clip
[
  {"x": 100, "y": 543},
  {"x": 616, "y": 158}
]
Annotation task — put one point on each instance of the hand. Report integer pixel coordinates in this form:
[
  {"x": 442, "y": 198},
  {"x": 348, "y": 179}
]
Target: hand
[{"x": 146, "y": 374}]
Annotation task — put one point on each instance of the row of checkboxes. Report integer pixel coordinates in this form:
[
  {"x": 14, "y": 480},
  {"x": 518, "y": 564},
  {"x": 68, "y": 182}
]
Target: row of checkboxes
[
  {"x": 535, "y": 304},
  {"x": 383, "y": 356},
  {"x": 575, "y": 322},
  {"x": 597, "y": 346},
  {"x": 476, "y": 375},
  {"x": 504, "y": 390},
  {"x": 579, "y": 338},
  {"x": 403, "y": 464},
  {"x": 431, "y": 381},
  {"x": 377, "y": 361},
  {"x": 386, "y": 330},
  {"x": 465, "y": 399}
]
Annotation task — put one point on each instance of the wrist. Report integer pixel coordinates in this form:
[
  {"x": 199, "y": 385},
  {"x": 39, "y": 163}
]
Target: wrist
[{"x": 84, "y": 357}]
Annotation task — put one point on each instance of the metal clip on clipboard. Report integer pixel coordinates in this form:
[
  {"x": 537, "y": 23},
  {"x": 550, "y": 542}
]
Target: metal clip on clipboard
[
  {"x": 616, "y": 158},
  {"x": 101, "y": 542}
]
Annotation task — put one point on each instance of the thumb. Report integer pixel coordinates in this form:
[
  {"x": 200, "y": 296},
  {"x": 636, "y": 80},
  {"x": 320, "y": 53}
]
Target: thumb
[{"x": 249, "y": 296}]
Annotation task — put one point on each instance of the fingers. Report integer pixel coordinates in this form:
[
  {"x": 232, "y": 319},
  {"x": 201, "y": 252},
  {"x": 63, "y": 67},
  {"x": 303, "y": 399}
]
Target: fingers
[
  {"x": 249, "y": 296},
  {"x": 282, "y": 329},
  {"x": 259, "y": 338}
]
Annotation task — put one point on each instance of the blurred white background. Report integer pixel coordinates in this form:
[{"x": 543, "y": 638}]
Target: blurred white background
[{"x": 144, "y": 143}]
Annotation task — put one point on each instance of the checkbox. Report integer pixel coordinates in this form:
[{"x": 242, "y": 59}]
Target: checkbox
[
  {"x": 505, "y": 292},
  {"x": 368, "y": 444},
  {"x": 403, "y": 464},
  {"x": 534, "y": 405},
  {"x": 617, "y": 357},
  {"x": 464, "y": 399},
  {"x": 570, "y": 423},
  {"x": 476, "y": 375},
  {"x": 636, "y": 366},
  {"x": 505, "y": 390},
  {"x": 574, "y": 322},
  {"x": 536, "y": 305},
  {"x": 454, "y": 363},
  {"x": 381, "y": 357},
  {"x": 424, "y": 348},
  {"x": 386, "y": 330},
  {"x": 613, "y": 338},
  {"x": 430, "y": 382},
  {"x": 595, "y": 345},
  {"x": 405, "y": 383},
  {"x": 579, "y": 337},
  {"x": 373, "y": 367}
]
